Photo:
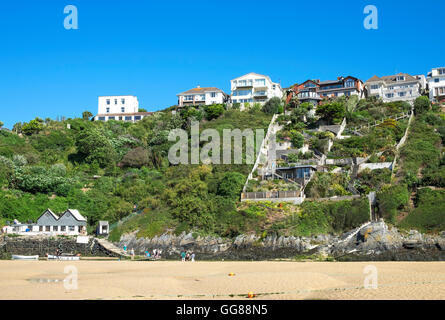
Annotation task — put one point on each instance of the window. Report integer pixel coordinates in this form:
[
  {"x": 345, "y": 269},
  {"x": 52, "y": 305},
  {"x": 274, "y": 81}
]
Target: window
[
  {"x": 260, "y": 82},
  {"x": 390, "y": 95},
  {"x": 123, "y": 101},
  {"x": 108, "y": 110},
  {"x": 441, "y": 71},
  {"x": 48, "y": 228},
  {"x": 400, "y": 78},
  {"x": 63, "y": 228},
  {"x": 71, "y": 228},
  {"x": 108, "y": 101},
  {"x": 120, "y": 118},
  {"x": 350, "y": 84},
  {"x": 348, "y": 93},
  {"x": 128, "y": 118},
  {"x": 111, "y": 118},
  {"x": 101, "y": 118},
  {"x": 137, "y": 118},
  {"x": 375, "y": 87},
  {"x": 115, "y": 101},
  {"x": 40, "y": 228},
  {"x": 213, "y": 94},
  {"x": 188, "y": 98},
  {"x": 440, "y": 91},
  {"x": 436, "y": 80},
  {"x": 55, "y": 228},
  {"x": 402, "y": 94},
  {"x": 123, "y": 109}
]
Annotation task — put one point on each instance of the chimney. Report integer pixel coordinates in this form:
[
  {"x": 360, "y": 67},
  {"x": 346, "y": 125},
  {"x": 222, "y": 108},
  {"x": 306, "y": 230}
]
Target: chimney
[{"x": 198, "y": 87}]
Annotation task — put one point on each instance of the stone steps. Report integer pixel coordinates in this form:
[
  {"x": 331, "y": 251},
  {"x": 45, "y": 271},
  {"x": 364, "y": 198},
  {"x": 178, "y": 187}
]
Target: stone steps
[{"x": 111, "y": 247}]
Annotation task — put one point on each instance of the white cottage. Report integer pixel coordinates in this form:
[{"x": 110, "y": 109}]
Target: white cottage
[{"x": 71, "y": 222}]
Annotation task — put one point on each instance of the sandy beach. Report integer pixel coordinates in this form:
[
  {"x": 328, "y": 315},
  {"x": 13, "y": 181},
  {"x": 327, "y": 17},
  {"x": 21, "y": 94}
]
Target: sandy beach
[{"x": 210, "y": 280}]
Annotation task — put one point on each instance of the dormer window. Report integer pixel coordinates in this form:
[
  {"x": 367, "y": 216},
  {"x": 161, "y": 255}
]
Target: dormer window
[
  {"x": 400, "y": 78},
  {"x": 441, "y": 71}
]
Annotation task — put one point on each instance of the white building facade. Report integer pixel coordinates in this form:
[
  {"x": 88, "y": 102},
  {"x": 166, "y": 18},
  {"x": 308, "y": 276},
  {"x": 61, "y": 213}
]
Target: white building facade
[
  {"x": 400, "y": 87},
  {"x": 201, "y": 96},
  {"x": 254, "y": 87},
  {"x": 436, "y": 84},
  {"x": 70, "y": 223},
  {"x": 119, "y": 108}
]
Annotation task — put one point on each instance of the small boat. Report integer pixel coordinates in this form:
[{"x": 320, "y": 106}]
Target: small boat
[
  {"x": 63, "y": 258},
  {"x": 18, "y": 257}
]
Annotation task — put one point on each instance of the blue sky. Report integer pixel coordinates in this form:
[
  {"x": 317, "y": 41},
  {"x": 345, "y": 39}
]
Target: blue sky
[{"x": 156, "y": 49}]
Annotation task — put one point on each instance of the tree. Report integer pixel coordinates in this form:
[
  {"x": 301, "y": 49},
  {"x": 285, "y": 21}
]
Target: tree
[
  {"x": 1, "y": 124},
  {"x": 142, "y": 110},
  {"x": 231, "y": 185},
  {"x": 421, "y": 105},
  {"x": 214, "y": 111},
  {"x": 331, "y": 112},
  {"x": 272, "y": 105},
  {"x": 86, "y": 115},
  {"x": 297, "y": 139},
  {"x": 94, "y": 146},
  {"x": 34, "y": 126},
  {"x": 17, "y": 128},
  {"x": 136, "y": 158}
]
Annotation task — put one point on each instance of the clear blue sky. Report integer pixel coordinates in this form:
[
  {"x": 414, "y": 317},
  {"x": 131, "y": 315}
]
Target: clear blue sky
[{"x": 156, "y": 49}]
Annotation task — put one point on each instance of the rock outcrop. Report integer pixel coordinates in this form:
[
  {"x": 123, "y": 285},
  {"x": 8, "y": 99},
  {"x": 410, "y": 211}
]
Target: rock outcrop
[{"x": 373, "y": 241}]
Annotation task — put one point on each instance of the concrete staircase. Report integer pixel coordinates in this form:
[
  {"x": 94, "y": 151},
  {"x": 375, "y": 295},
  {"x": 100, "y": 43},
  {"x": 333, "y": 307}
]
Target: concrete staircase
[{"x": 112, "y": 248}]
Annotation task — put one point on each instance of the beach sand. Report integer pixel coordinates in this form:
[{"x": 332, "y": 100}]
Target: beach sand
[{"x": 210, "y": 280}]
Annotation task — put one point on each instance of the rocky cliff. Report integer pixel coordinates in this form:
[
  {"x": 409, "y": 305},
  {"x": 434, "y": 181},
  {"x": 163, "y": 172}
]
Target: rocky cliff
[{"x": 373, "y": 241}]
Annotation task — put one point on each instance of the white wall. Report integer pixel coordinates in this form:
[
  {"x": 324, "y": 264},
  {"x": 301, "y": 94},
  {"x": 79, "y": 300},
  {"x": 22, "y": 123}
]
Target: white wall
[
  {"x": 131, "y": 104},
  {"x": 432, "y": 84},
  {"x": 267, "y": 87}
]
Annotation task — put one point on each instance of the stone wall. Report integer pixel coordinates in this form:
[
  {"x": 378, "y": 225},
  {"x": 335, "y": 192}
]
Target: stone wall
[{"x": 48, "y": 245}]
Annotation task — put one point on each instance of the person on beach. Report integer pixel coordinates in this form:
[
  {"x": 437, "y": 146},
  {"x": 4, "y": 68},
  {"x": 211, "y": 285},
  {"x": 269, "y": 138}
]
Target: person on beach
[
  {"x": 132, "y": 253},
  {"x": 193, "y": 257},
  {"x": 183, "y": 256},
  {"x": 187, "y": 257}
]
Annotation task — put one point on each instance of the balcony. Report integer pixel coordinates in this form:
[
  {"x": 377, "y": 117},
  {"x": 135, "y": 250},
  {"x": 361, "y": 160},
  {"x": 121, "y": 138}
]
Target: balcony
[
  {"x": 246, "y": 84},
  {"x": 260, "y": 94},
  {"x": 309, "y": 96}
]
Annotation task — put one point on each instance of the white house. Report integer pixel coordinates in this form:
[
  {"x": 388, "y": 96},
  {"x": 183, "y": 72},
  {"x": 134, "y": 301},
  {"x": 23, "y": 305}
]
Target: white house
[
  {"x": 399, "y": 87},
  {"x": 436, "y": 84},
  {"x": 71, "y": 222},
  {"x": 120, "y": 108},
  {"x": 254, "y": 87},
  {"x": 201, "y": 96}
]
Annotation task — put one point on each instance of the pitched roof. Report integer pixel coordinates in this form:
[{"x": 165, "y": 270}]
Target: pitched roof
[
  {"x": 374, "y": 78},
  {"x": 76, "y": 214},
  {"x": 200, "y": 90},
  {"x": 393, "y": 78},
  {"x": 49, "y": 211}
]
